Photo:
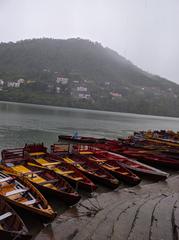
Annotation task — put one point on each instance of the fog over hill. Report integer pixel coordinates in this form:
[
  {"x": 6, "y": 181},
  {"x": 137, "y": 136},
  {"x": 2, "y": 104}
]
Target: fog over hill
[{"x": 81, "y": 73}]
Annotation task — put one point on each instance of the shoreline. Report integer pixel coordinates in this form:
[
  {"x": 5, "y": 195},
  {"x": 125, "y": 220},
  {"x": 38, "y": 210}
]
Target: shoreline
[
  {"x": 149, "y": 211},
  {"x": 91, "y": 110}
]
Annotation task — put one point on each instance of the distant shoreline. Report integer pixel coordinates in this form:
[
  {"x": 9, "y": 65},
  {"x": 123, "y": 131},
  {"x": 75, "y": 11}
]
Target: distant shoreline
[{"x": 87, "y": 110}]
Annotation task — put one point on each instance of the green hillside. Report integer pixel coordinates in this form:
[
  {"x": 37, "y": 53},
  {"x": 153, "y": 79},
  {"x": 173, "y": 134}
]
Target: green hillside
[{"x": 96, "y": 78}]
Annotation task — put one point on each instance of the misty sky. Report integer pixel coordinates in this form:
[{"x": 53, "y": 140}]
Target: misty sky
[{"x": 144, "y": 31}]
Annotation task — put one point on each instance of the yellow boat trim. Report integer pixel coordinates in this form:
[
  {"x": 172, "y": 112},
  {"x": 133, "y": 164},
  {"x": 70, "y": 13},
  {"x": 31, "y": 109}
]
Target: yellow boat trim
[
  {"x": 68, "y": 160},
  {"x": 50, "y": 163},
  {"x": 57, "y": 170},
  {"x": 86, "y": 152},
  {"x": 36, "y": 154}
]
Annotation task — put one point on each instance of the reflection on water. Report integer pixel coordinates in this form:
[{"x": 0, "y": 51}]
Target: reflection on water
[{"x": 21, "y": 123}]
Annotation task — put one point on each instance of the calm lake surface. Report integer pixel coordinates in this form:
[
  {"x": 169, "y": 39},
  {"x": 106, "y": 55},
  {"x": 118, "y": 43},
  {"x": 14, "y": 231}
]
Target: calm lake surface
[{"x": 27, "y": 123}]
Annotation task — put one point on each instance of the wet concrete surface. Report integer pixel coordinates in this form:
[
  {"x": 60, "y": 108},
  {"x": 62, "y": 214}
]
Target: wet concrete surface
[{"x": 149, "y": 211}]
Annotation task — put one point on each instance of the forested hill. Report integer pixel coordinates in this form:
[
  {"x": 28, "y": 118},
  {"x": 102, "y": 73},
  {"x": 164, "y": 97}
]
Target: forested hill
[{"x": 81, "y": 73}]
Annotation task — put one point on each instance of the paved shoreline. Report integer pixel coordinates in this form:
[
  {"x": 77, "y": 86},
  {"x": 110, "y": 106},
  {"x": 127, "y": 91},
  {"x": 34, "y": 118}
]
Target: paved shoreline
[{"x": 145, "y": 212}]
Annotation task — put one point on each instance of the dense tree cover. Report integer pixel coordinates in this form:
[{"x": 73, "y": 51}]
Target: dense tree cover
[{"x": 42, "y": 60}]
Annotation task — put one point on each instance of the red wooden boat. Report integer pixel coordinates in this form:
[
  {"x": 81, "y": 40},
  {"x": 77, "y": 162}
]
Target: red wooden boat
[
  {"x": 135, "y": 166},
  {"x": 92, "y": 170},
  {"x": 45, "y": 180},
  {"x": 115, "y": 168},
  {"x": 153, "y": 159},
  {"x": 41, "y": 158},
  {"x": 157, "y": 159}
]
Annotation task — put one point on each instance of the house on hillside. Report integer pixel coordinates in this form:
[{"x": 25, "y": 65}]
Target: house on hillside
[
  {"x": 81, "y": 92},
  {"x": 21, "y": 80},
  {"x": 84, "y": 96},
  {"x": 62, "y": 80},
  {"x": 1, "y": 82},
  {"x": 82, "y": 89},
  {"x": 58, "y": 89},
  {"x": 13, "y": 84},
  {"x": 115, "y": 95}
]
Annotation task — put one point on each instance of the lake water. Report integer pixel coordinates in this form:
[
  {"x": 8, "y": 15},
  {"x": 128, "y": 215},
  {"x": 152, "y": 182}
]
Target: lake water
[{"x": 28, "y": 123}]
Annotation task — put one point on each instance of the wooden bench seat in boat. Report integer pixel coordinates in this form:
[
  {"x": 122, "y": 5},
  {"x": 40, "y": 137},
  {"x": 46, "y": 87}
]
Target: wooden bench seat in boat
[
  {"x": 103, "y": 176},
  {"x": 57, "y": 170},
  {"x": 98, "y": 160},
  {"x": 78, "y": 178},
  {"x": 50, "y": 163},
  {"x": 36, "y": 154},
  {"x": 49, "y": 181},
  {"x": 111, "y": 168},
  {"x": 16, "y": 191},
  {"x": 86, "y": 152},
  {"x": 30, "y": 202},
  {"x": 5, "y": 215},
  {"x": 5, "y": 179}
]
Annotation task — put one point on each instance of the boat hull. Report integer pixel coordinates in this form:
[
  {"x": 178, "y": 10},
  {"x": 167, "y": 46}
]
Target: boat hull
[
  {"x": 65, "y": 197},
  {"x": 8, "y": 235}
]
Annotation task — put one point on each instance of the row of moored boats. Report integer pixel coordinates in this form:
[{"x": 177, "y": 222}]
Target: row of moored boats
[{"x": 75, "y": 163}]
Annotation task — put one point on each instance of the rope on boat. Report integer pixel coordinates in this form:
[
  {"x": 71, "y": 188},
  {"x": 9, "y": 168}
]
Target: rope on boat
[{"x": 19, "y": 233}]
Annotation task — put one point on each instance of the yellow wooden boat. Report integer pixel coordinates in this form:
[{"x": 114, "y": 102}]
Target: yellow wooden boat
[
  {"x": 47, "y": 181},
  {"x": 21, "y": 193}
]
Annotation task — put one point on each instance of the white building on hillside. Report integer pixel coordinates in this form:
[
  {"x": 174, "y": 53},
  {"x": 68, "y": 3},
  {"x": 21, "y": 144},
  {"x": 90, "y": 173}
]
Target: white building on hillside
[
  {"x": 1, "y": 82},
  {"x": 82, "y": 89},
  {"x": 20, "y": 80},
  {"x": 13, "y": 84},
  {"x": 62, "y": 80}
]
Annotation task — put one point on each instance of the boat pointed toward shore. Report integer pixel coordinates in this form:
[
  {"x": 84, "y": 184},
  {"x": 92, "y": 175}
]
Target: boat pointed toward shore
[
  {"x": 21, "y": 193},
  {"x": 11, "y": 225},
  {"x": 41, "y": 158}
]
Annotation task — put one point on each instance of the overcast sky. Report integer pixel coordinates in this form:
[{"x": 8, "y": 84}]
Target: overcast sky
[{"x": 144, "y": 31}]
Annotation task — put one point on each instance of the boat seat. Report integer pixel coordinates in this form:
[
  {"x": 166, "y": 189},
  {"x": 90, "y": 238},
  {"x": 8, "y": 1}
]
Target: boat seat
[
  {"x": 78, "y": 178},
  {"x": 125, "y": 173},
  {"x": 5, "y": 179},
  {"x": 112, "y": 168},
  {"x": 99, "y": 160},
  {"x": 49, "y": 181},
  {"x": 5, "y": 215},
  {"x": 87, "y": 153},
  {"x": 50, "y": 163},
  {"x": 16, "y": 191},
  {"x": 37, "y": 154},
  {"x": 21, "y": 169},
  {"x": 103, "y": 176},
  {"x": 62, "y": 172},
  {"x": 30, "y": 202}
]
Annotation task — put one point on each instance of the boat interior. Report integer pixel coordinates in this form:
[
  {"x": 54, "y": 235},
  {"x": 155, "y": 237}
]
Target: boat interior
[{"x": 12, "y": 188}]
